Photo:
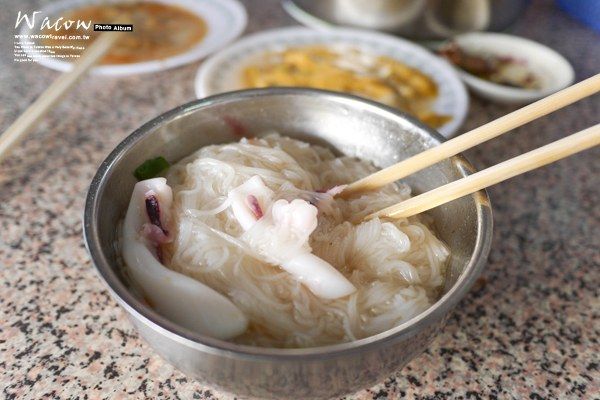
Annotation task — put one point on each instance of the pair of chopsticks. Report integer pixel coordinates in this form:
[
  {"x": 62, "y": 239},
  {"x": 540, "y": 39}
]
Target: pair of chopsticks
[
  {"x": 562, "y": 148},
  {"x": 26, "y": 121}
]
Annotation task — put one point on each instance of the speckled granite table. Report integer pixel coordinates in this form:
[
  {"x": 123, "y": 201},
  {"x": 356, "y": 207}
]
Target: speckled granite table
[{"x": 529, "y": 329}]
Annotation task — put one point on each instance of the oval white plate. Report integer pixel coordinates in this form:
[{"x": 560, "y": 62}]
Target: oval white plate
[
  {"x": 225, "y": 19},
  {"x": 221, "y": 72},
  {"x": 553, "y": 70}
]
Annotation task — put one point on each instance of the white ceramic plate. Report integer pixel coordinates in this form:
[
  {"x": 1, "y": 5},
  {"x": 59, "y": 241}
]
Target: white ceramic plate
[
  {"x": 222, "y": 72},
  {"x": 304, "y": 17},
  {"x": 225, "y": 19},
  {"x": 552, "y": 69}
]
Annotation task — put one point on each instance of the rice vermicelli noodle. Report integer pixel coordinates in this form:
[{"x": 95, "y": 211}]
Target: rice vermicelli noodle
[{"x": 384, "y": 271}]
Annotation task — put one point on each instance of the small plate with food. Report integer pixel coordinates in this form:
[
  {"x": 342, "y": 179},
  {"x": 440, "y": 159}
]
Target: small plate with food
[
  {"x": 372, "y": 65},
  {"x": 166, "y": 33},
  {"x": 507, "y": 69}
]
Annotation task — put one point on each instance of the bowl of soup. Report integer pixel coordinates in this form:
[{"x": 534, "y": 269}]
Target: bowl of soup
[{"x": 222, "y": 230}]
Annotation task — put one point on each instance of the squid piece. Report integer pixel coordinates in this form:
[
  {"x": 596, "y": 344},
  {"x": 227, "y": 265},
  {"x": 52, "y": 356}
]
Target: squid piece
[
  {"x": 281, "y": 235},
  {"x": 319, "y": 276},
  {"x": 249, "y": 200},
  {"x": 176, "y": 296}
]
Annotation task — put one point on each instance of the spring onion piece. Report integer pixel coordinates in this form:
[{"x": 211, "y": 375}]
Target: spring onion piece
[{"x": 151, "y": 168}]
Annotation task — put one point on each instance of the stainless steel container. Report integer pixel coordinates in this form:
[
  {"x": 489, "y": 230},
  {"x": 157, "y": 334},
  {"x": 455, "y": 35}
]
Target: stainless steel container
[
  {"x": 346, "y": 124},
  {"x": 416, "y": 19}
]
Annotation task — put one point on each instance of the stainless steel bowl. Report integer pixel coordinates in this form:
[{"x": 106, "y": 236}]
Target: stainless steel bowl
[
  {"x": 416, "y": 19},
  {"x": 346, "y": 124}
]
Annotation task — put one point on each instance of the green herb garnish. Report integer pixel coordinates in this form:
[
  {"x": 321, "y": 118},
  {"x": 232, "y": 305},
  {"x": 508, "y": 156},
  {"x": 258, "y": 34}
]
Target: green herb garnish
[{"x": 151, "y": 168}]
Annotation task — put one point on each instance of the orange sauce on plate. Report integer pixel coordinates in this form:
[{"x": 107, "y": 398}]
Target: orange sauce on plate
[{"x": 159, "y": 31}]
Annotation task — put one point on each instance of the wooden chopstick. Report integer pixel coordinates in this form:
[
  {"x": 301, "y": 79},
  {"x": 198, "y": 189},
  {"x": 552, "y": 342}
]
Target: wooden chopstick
[
  {"x": 547, "y": 154},
  {"x": 476, "y": 136},
  {"x": 26, "y": 121}
]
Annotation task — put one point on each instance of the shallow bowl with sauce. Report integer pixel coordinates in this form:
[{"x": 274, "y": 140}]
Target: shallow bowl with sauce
[
  {"x": 225, "y": 20},
  {"x": 346, "y": 124}
]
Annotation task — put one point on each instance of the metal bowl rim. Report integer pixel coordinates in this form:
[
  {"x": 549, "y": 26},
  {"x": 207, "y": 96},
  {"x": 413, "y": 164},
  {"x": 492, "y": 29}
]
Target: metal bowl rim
[{"x": 206, "y": 344}]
